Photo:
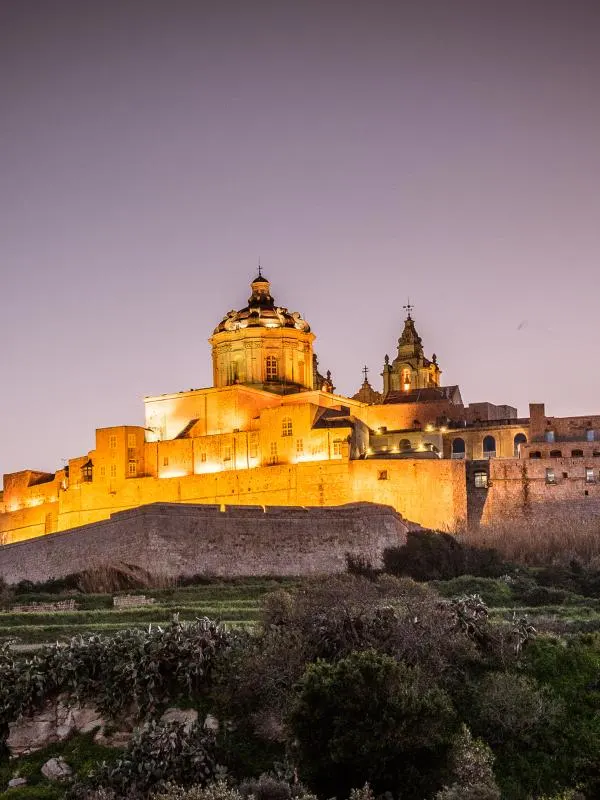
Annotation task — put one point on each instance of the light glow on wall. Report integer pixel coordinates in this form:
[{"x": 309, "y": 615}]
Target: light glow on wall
[{"x": 173, "y": 473}]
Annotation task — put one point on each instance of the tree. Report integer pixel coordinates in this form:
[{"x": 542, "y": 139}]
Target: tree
[{"x": 370, "y": 718}]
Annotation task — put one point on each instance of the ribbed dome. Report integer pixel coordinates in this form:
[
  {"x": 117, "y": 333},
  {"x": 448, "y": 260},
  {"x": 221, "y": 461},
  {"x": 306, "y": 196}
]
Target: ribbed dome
[{"x": 261, "y": 312}]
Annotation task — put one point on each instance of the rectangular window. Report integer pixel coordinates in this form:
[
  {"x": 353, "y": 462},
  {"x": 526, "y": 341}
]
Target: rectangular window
[
  {"x": 131, "y": 440},
  {"x": 589, "y": 475},
  {"x": 299, "y": 447},
  {"x": 481, "y": 480},
  {"x": 102, "y": 472},
  {"x": 203, "y": 457},
  {"x": 165, "y": 461},
  {"x": 227, "y": 454},
  {"x": 382, "y": 475},
  {"x": 253, "y": 447},
  {"x": 113, "y": 470},
  {"x": 549, "y": 436},
  {"x": 273, "y": 453},
  {"x": 550, "y": 476},
  {"x": 112, "y": 441},
  {"x": 337, "y": 447},
  {"x": 132, "y": 468},
  {"x": 590, "y": 435},
  {"x": 131, "y": 453},
  {"x": 286, "y": 426}
]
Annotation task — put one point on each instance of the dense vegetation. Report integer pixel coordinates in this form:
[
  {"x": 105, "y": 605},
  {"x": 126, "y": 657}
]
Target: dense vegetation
[{"x": 432, "y": 679}]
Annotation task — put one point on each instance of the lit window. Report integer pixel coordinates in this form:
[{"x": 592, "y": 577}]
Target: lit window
[
  {"x": 271, "y": 365},
  {"x": 131, "y": 440},
  {"x": 382, "y": 475},
  {"x": 337, "y": 447},
  {"x": 550, "y": 476},
  {"x": 112, "y": 442},
  {"x": 481, "y": 480},
  {"x": 273, "y": 455},
  {"x": 132, "y": 468},
  {"x": 113, "y": 470},
  {"x": 299, "y": 447},
  {"x": 286, "y": 426},
  {"x": 589, "y": 475},
  {"x": 166, "y": 461}
]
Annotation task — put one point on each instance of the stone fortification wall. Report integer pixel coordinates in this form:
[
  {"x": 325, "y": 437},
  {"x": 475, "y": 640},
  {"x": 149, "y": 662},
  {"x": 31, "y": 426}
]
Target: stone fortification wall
[{"x": 174, "y": 540}]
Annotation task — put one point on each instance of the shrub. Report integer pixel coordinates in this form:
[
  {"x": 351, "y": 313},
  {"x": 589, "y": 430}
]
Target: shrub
[
  {"x": 428, "y": 555},
  {"x": 371, "y": 718},
  {"x": 157, "y": 755},
  {"x": 493, "y": 592},
  {"x": 135, "y": 670},
  {"x": 471, "y": 762}
]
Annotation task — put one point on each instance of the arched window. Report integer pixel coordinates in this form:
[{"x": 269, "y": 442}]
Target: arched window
[
  {"x": 405, "y": 445},
  {"x": 489, "y": 447},
  {"x": 286, "y": 426},
  {"x": 458, "y": 448},
  {"x": 555, "y": 453},
  {"x": 576, "y": 453},
  {"x": 519, "y": 439},
  {"x": 271, "y": 368},
  {"x": 405, "y": 380},
  {"x": 535, "y": 454}
]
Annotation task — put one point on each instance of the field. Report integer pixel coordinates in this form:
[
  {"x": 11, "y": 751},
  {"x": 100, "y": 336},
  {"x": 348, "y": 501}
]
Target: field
[
  {"x": 232, "y": 603},
  {"x": 237, "y": 603}
]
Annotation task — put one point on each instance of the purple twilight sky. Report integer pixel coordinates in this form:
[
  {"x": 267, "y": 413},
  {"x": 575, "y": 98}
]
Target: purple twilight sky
[{"x": 150, "y": 152}]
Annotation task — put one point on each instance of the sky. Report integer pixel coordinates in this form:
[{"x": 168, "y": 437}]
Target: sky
[{"x": 151, "y": 152}]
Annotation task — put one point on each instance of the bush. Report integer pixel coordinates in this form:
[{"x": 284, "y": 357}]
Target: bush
[
  {"x": 429, "y": 556},
  {"x": 157, "y": 755},
  {"x": 371, "y": 718},
  {"x": 493, "y": 592},
  {"x": 133, "y": 671}
]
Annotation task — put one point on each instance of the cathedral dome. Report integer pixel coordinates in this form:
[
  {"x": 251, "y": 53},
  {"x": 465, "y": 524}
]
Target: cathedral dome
[{"x": 261, "y": 312}]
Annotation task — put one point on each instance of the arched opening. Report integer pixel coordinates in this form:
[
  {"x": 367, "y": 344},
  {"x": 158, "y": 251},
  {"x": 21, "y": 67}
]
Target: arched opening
[
  {"x": 555, "y": 453},
  {"x": 404, "y": 445},
  {"x": 519, "y": 439},
  {"x": 489, "y": 447},
  {"x": 535, "y": 454},
  {"x": 271, "y": 368},
  {"x": 458, "y": 448},
  {"x": 576, "y": 453}
]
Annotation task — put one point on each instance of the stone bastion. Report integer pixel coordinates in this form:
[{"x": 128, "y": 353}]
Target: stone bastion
[{"x": 172, "y": 540}]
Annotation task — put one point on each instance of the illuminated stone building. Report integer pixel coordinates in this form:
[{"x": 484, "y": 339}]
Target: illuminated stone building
[{"x": 272, "y": 431}]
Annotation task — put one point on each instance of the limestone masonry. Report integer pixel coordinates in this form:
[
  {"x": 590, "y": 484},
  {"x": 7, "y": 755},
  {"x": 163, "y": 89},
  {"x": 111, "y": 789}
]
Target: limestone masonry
[
  {"x": 272, "y": 431},
  {"x": 183, "y": 540}
]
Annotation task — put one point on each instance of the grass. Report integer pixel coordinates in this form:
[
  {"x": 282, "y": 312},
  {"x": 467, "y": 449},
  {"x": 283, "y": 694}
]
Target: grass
[
  {"x": 232, "y": 603},
  {"x": 80, "y": 752}
]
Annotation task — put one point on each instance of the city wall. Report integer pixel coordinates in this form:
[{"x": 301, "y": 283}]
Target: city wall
[
  {"x": 431, "y": 493},
  {"x": 176, "y": 540},
  {"x": 520, "y": 488}
]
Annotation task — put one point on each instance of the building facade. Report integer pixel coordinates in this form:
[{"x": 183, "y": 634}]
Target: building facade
[{"x": 272, "y": 431}]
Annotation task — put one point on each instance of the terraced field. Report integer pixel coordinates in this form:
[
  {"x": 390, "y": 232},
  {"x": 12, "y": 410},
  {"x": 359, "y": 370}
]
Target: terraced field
[{"x": 233, "y": 604}]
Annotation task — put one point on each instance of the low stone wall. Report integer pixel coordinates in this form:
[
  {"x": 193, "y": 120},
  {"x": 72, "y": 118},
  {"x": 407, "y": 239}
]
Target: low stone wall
[{"x": 172, "y": 539}]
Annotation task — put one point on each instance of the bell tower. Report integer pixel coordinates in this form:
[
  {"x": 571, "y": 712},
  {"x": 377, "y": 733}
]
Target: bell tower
[{"x": 410, "y": 369}]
